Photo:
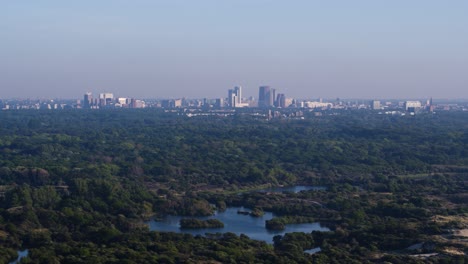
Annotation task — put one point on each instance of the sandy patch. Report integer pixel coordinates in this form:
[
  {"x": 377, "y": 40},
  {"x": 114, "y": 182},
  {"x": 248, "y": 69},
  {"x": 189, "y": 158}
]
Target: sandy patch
[
  {"x": 461, "y": 233},
  {"x": 454, "y": 251},
  {"x": 460, "y": 220}
]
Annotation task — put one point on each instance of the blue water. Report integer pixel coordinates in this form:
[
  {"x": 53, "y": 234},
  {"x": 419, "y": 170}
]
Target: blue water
[
  {"x": 294, "y": 189},
  {"x": 21, "y": 254},
  {"x": 253, "y": 227},
  {"x": 313, "y": 251}
]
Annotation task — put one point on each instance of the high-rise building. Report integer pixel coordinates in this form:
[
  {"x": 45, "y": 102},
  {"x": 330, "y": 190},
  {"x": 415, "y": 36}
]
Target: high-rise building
[
  {"x": 231, "y": 98},
  {"x": 263, "y": 95},
  {"x": 219, "y": 103},
  {"x": 87, "y": 100},
  {"x": 266, "y": 96},
  {"x": 105, "y": 99},
  {"x": 238, "y": 91},
  {"x": 272, "y": 97},
  {"x": 280, "y": 101},
  {"x": 235, "y": 97}
]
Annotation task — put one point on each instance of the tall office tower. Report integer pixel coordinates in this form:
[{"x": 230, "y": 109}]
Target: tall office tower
[
  {"x": 231, "y": 98},
  {"x": 266, "y": 96},
  {"x": 263, "y": 96},
  {"x": 280, "y": 101},
  {"x": 87, "y": 100},
  {"x": 219, "y": 103},
  {"x": 235, "y": 97},
  {"x": 238, "y": 91}
]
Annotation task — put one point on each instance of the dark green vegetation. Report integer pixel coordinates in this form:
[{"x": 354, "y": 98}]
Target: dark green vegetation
[
  {"x": 279, "y": 223},
  {"x": 77, "y": 185},
  {"x": 195, "y": 223},
  {"x": 256, "y": 212}
]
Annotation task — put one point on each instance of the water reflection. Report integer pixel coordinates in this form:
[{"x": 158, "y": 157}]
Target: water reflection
[
  {"x": 253, "y": 227},
  {"x": 313, "y": 251}
]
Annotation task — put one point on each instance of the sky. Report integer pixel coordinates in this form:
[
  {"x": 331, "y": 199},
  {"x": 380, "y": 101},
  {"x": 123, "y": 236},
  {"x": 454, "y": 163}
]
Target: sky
[{"x": 200, "y": 49}]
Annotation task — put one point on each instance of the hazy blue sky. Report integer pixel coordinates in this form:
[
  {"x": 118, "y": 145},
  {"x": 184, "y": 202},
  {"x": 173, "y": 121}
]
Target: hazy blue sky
[{"x": 202, "y": 48}]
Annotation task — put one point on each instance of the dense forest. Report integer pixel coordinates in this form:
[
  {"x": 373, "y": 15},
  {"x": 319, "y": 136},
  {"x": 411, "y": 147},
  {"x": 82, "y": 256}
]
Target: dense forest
[{"x": 76, "y": 186}]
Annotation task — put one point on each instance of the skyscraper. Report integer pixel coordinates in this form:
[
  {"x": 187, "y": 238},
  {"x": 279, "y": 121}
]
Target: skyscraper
[
  {"x": 238, "y": 91},
  {"x": 235, "y": 97},
  {"x": 87, "y": 100},
  {"x": 231, "y": 98},
  {"x": 280, "y": 101},
  {"x": 219, "y": 103},
  {"x": 266, "y": 96}
]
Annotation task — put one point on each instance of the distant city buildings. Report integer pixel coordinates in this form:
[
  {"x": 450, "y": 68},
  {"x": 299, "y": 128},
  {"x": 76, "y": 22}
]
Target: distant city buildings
[
  {"x": 234, "y": 99},
  {"x": 266, "y": 97},
  {"x": 278, "y": 105},
  {"x": 175, "y": 103},
  {"x": 315, "y": 104},
  {"x": 412, "y": 106},
  {"x": 107, "y": 100}
]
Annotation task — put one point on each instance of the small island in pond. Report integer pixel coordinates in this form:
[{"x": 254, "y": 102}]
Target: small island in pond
[
  {"x": 275, "y": 224},
  {"x": 256, "y": 212},
  {"x": 195, "y": 223}
]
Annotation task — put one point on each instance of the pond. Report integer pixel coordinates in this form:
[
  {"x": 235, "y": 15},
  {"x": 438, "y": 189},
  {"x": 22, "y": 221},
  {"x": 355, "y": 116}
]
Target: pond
[
  {"x": 21, "y": 254},
  {"x": 253, "y": 227}
]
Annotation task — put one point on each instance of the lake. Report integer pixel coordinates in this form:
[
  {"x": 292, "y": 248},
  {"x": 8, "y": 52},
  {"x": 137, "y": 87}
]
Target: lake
[{"x": 253, "y": 227}]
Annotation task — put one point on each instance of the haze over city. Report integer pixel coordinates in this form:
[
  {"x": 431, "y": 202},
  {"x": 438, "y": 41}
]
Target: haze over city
[{"x": 305, "y": 48}]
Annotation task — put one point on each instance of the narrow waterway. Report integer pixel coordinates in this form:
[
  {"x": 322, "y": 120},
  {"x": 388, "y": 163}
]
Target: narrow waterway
[{"x": 293, "y": 189}]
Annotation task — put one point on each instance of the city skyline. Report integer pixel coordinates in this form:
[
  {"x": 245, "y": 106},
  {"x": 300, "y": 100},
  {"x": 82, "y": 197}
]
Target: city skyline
[
  {"x": 267, "y": 99},
  {"x": 172, "y": 49},
  {"x": 251, "y": 95}
]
